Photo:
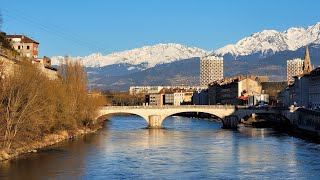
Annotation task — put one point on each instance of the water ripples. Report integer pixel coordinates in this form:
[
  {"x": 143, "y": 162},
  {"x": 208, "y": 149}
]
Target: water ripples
[{"x": 185, "y": 148}]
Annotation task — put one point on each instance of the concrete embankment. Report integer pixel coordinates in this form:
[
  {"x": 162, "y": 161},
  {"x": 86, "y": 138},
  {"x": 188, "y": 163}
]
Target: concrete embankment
[
  {"x": 298, "y": 122},
  {"x": 304, "y": 119},
  {"x": 274, "y": 120},
  {"x": 45, "y": 141}
]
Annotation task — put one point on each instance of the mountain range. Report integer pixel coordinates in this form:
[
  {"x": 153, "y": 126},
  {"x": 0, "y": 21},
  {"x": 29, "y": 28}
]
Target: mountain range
[{"x": 262, "y": 53}]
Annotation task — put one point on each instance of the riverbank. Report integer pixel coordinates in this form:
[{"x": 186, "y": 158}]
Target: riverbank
[
  {"x": 45, "y": 141},
  {"x": 284, "y": 125},
  {"x": 276, "y": 122}
]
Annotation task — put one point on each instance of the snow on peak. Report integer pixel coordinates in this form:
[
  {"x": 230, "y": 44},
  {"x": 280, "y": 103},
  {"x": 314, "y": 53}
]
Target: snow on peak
[
  {"x": 264, "y": 43},
  {"x": 272, "y": 41},
  {"x": 150, "y": 55}
]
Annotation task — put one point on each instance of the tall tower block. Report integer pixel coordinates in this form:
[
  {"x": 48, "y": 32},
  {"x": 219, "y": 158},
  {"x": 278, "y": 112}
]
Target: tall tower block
[{"x": 211, "y": 69}]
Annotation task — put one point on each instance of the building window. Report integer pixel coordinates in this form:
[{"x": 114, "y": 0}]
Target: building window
[
  {"x": 18, "y": 47},
  {"x": 28, "y": 47}
]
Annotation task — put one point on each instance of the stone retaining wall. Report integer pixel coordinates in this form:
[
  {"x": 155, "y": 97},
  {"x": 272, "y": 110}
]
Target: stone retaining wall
[{"x": 304, "y": 119}]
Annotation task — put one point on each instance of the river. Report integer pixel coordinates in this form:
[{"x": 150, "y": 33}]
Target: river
[{"x": 186, "y": 148}]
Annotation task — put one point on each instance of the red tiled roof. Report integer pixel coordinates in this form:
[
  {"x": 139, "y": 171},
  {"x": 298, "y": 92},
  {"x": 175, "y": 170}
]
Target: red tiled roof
[
  {"x": 24, "y": 38},
  {"x": 235, "y": 79}
]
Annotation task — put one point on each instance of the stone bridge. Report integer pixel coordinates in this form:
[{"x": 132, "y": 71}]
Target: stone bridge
[{"x": 155, "y": 115}]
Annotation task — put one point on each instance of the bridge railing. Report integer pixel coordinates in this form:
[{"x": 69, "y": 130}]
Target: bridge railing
[{"x": 173, "y": 107}]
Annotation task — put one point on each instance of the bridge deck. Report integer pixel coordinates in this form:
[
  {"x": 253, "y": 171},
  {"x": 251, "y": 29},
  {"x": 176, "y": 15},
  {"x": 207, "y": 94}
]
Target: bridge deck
[{"x": 176, "y": 107}]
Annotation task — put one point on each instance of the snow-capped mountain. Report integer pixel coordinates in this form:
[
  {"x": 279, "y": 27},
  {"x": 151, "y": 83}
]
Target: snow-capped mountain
[
  {"x": 257, "y": 46},
  {"x": 145, "y": 66},
  {"x": 147, "y": 55},
  {"x": 268, "y": 42}
]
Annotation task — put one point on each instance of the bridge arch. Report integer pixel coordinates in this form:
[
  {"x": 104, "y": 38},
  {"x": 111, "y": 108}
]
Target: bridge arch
[
  {"x": 155, "y": 115},
  {"x": 104, "y": 115},
  {"x": 192, "y": 111}
]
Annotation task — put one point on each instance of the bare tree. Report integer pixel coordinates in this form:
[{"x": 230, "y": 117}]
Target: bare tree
[
  {"x": 20, "y": 102},
  {"x": 31, "y": 105}
]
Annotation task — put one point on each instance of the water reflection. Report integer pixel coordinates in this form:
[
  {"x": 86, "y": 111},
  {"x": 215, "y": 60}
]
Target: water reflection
[
  {"x": 50, "y": 163},
  {"x": 185, "y": 149}
]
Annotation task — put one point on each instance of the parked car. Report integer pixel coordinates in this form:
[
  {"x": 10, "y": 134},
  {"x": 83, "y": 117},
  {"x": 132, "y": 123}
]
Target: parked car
[
  {"x": 316, "y": 108},
  {"x": 261, "y": 104}
]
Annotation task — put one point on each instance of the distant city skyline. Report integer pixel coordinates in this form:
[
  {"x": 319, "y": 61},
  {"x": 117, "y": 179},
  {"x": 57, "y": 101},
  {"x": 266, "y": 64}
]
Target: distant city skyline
[{"x": 79, "y": 28}]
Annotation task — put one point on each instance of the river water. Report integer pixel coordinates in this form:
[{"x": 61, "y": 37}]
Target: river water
[{"x": 185, "y": 148}]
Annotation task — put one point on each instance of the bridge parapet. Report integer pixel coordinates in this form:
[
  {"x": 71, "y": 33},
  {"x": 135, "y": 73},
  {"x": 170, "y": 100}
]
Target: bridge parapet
[{"x": 173, "y": 107}]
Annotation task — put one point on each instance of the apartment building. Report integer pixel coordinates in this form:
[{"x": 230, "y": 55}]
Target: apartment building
[{"x": 211, "y": 69}]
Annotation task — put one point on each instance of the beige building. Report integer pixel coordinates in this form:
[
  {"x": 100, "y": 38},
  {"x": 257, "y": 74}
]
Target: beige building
[
  {"x": 155, "y": 99},
  {"x": 211, "y": 69},
  {"x": 45, "y": 61},
  {"x": 24, "y": 45},
  {"x": 168, "y": 95},
  {"x": 174, "y": 98},
  {"x": 188, "y": 97},
  {"x": 144, "y": 89},
  {"x": 157, "y": 89},
  {"x": 138, "y": 89},
  {"x": 234, "y": 90}
]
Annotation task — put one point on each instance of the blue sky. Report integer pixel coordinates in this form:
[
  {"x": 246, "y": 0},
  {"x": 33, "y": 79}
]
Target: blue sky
[{"x": 78, "y": 27}]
